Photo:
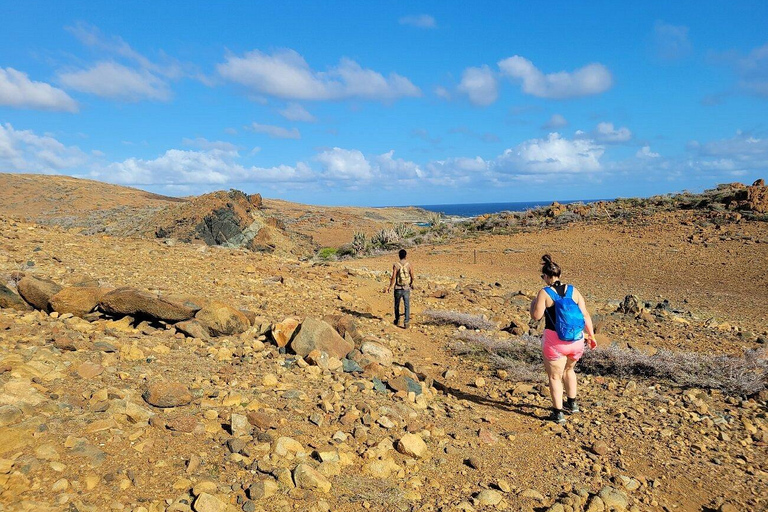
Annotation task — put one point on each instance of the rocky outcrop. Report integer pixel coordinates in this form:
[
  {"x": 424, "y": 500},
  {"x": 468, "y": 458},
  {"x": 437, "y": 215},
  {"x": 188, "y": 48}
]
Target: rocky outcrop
[
  {"x": 137, "y": 303},
  {"x": 315, "y": 334},
  {"x": 37, "y": 291}
]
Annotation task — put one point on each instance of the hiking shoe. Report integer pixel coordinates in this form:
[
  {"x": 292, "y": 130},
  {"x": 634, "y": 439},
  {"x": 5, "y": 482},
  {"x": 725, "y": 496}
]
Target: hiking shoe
[
  {"x": 557, "y": 416},
  {"x": 571, "y": 407}
]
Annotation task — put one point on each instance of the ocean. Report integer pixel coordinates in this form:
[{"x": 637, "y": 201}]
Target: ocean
[{"x": 475, "y": 209}]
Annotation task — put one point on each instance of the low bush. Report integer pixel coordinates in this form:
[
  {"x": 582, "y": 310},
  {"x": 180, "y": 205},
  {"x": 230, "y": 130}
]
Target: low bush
[
  {"x": 438, "y": 317},
  {"x": 327, "y": 253},
  {"x": 743, "y": 375}
]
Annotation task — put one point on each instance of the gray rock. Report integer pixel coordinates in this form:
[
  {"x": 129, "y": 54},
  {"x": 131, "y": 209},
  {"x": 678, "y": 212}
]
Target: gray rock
[
  {"x": 9, "y": 300},
  {"x": 129, "y": 301},
  {"x": 315, "y": 334}
]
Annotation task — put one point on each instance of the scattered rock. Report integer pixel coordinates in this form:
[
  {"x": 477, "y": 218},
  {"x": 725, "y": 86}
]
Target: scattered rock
[
  {"x": 76, "y": 300},
  {"x": 37, "y": 291},
  {"x": 315, "y": 334},
  {"x": 283, "y": 332},
  {"x": 412, "y": 445},
  {"x": 167, "y": 394},
  {"x": 137, "y": 303},
  {"x": 10, "y": 300},
  {"x": 306, "y": 477},
  {"x": 222, "y": 320}
]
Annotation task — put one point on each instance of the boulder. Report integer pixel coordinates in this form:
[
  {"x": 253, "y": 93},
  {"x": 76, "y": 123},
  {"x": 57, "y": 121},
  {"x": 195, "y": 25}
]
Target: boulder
[
  {"x": 37, "y": 291},
  {"x": 76, "y": 300},
  {"x": 282, "y": 332},
  {"x": 8, "y": 299},
  {"x": 192, "y": 328},
  {"x": 412, "y": 445},
  {"x": 346, "y": 326},
  {"x": 222, "y": 320},
  {"x": 613, "y": 499},
  {"x": 137, "y": 303},
  {"x": 167, "y": 394},
  {"x": 306, "y": 477},
  {"x": 376, "y": 352},
  {"x": 315, "y": 334}
]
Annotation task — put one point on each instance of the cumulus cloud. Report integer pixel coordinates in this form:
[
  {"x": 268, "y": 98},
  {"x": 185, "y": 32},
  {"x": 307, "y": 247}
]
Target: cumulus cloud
[
  {"x": 203, "y": 143},
  {"x": 606, "y": 133},
  {"x": 671, "y": 42},
  {"x": 480, "y": 85},
  {"x": 295, "y": 112},
  {"x": 345, "y": 164},
  {"x": 753, "y": 71},
  {"x": 419, "y": 21},
  {"x": 555, "y": 122},
  {"x": 740, "y": 152},
  {"x": 443, "y": 93},
  {"x": 216, "y": 167},
  {"x": 18, "y": 91},
  {"x": 551, "y": 155},
  {"x": 588, "y": 80},
  {"x": 276, "y": 132},
  {"x": 285, "y": 74},
  {"x": 25, "y": 151},
  {"x": 645, "y": 153},
  {"x": 112, "y": 80}
]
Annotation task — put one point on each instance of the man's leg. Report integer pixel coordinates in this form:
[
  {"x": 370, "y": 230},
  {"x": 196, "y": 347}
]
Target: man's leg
[
  {"x": 407, "y": 300},
  {"x": 398, "y": 296}
]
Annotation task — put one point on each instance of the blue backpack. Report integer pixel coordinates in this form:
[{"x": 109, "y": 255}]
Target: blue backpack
[{"x": 569, "y": 320}]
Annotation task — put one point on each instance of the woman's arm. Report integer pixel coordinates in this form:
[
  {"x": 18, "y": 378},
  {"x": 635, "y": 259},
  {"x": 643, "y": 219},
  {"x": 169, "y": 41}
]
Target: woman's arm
[{"x": 539, "y": 305}]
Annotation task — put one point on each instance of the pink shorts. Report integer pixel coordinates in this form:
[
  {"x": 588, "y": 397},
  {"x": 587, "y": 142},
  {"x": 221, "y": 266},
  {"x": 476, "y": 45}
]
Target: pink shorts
[{"x": 554, "y": 348}]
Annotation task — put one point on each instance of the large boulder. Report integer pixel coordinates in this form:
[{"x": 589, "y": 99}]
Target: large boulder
[
  {"x": 8, "y": 299},
  {"x": 346, "y": 326},
  {"x": 37, "y": 291},
  {"x": 77, "y": 300},
  {"x": 376, "y": 352},
  {"x": 282, "y": 332},
  {"x": 222, "y": 320},
  {"x": 315, "y": 334},
  {"x": 129, "y": 301},
  {"x": 192, "y": 328}
]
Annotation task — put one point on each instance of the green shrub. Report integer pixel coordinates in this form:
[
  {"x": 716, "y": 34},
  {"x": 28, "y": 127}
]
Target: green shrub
[{"x": 327, "y": 253}]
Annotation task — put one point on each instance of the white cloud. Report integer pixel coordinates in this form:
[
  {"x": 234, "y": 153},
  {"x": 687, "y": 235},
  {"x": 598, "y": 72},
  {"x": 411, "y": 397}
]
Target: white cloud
[
  {"x": 112, "y": 80},
  {"x": 285, "y": 74},
  {"x": 588, "y": 80},
  {"x": 345, "y": 164},
  {"x": 555, "y": 122},
  {"x": 480, "y": 85},
  {"x": 210, "y": 167},
  {"x": 18, "y": 91},
  {"x": 753, "y": 71},
  {"x": 442, "y": 92},
  {"x": 419, "y": 21},
  {"x": 203, "y": 143},
  {"x": 645, "y": 152},
  {"x": 741, "y": 152},
  {"x": 276, "y": 132},
  {"x": 397, "y": 168},
  {"x": 25, "y": 151},
  {"x": 295, "y": 112},
  {"x": 606, "y": 133},
  {"x": 671, "y": 41},
  {"x": 551, "y": 155}
]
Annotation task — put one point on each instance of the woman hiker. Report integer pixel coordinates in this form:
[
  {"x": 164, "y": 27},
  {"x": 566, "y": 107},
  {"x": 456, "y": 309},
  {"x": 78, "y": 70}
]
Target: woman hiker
[{"x": 567, "y": 321}]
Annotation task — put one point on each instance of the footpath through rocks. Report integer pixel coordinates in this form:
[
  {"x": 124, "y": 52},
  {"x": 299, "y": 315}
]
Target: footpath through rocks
[{"x": 141, "y": 376}]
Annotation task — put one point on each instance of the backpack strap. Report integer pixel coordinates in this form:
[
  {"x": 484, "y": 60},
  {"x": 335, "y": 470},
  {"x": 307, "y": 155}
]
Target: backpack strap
[
  {"x": 568, "y": 292},
  {"x": 552, "y": 293}
]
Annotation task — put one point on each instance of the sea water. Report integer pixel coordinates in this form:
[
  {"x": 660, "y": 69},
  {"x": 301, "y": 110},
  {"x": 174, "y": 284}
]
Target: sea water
[{"x": 475, "y": 209}]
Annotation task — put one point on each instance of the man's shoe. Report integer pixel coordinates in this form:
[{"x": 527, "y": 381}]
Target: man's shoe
[
  {"x": 571, "y": 407},
  {"x": 557, "y": 416},
  {"x": 406, "y": 326}
]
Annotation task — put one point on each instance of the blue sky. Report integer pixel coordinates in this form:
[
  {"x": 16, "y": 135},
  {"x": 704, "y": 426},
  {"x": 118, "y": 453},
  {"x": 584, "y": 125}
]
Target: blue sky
[{"x": 388, "y": 103}]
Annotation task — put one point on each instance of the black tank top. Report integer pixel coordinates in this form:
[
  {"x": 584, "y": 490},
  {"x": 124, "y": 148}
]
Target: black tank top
[{"x": 549, "y": 315}]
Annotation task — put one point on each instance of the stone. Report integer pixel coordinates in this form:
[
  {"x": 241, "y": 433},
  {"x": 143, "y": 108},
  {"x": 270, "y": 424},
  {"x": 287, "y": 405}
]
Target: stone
[
  {"x": 208, "y": 503},
  {"x": 600, "y": 448},
  {"x": 222, "y": 320},
  {"x": 76, "y": 300},
  {"x": 596, "y": 505},
  {"x": 315, "y": 334},
  {"x": 306, "y": 477},
  {"x": 283, "y": 332},
  {"x": 10, "y": 300},
  {"x": 532, "y": 494},
  {"x": 346, "y": 326},
  {"x": 260, "y": 420},
  {"x": 405, "y": 384},
  {"x": 351, "y": 366},
  {"x": 377, "y": 352},
  {"x": 412, "y": 445},
  {"x": 240, "y": 425},
  {"x": 204, "y": 486},
  {"x": 37, "y": 291},
  {"x": 167, "y": 394},
  {"x": 182, "y": 423},
  {"x": 489, "y": 497},
  {"x": 88, "y": 370},
  {"x": 137, "y": 303},
  {"x": 192, "y": 328},
  {"x": 613, "y": 499},
  {"x": 10, "y": 414},
  {"x": 285, "y": 445},
  {"x": 261, "y": 489}
]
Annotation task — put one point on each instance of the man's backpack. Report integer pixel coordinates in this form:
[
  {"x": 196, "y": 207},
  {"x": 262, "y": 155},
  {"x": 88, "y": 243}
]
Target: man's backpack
[
  {"x": 403, "y": 276},
  {"x": 569, "y": 320}
]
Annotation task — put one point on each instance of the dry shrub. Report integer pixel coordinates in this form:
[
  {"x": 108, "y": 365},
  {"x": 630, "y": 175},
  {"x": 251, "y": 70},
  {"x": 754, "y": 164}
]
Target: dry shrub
[
  {"x": 438, "y": 317},
  {"x": 744, "y": 375}
]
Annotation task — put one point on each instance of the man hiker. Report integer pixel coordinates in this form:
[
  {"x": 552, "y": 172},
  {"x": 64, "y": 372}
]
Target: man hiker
[{"x": 402, "y": 279}]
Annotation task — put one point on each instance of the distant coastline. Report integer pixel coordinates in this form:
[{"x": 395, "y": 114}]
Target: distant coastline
[{"x": 475, "y": 209}]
